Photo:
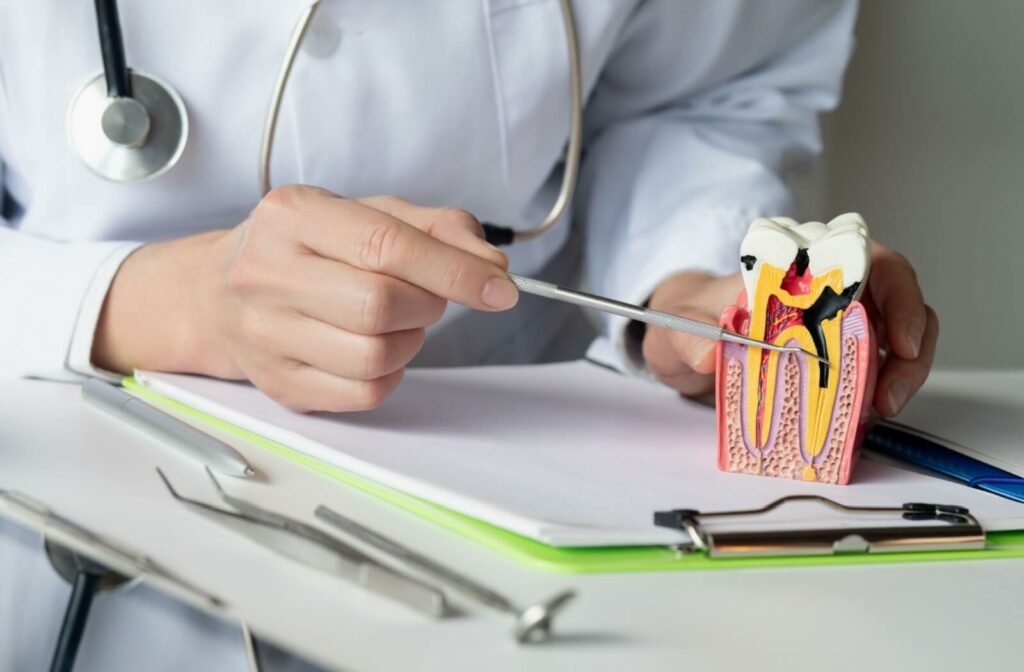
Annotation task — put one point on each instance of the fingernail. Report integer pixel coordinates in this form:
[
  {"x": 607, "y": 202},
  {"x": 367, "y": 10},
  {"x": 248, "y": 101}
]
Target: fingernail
[
  {"x": 499, "y": 293},
  {"x": 915, "y": 332},
  {"x": 899, "y": 391},
  {"x": 699, "y": 350}
]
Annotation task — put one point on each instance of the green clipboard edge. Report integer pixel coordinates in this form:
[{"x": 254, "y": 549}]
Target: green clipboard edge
[{"x": 572, "y": 560}]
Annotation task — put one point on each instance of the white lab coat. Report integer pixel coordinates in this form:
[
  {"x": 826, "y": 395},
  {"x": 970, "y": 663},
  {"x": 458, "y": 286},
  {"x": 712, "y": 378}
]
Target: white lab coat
[{"x": 695, "y": 112}]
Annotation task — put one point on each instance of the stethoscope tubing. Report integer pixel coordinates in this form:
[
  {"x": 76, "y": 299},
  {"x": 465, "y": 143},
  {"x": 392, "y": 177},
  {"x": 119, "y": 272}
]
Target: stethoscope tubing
[
  {"x": 270, "y": 127},
  {"x": 118, "y": 79},
  {"x": 115, "y": 67}
]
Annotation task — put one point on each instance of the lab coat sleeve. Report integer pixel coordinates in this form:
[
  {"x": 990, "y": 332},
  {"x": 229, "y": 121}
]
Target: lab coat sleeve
[
  {"x": 678, "y": 164},
  {"x": 51, "y": 297}
]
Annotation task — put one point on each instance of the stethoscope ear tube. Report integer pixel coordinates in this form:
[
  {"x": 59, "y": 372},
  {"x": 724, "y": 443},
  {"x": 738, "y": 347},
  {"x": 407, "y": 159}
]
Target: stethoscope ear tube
[{"x": 115, "y": 68}]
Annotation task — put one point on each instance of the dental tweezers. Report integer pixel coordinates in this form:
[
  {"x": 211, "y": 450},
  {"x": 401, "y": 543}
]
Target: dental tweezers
[
  {"x": 656, "y": 318},
  {"x": 315, "y": 548}
]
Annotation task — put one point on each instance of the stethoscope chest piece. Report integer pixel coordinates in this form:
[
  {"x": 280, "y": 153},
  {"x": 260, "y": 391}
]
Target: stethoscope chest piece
[{"x": 128, "y": 139}]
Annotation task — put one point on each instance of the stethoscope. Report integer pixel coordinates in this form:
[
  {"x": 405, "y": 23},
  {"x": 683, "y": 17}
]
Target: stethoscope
[{"x": 129, "y": 127}]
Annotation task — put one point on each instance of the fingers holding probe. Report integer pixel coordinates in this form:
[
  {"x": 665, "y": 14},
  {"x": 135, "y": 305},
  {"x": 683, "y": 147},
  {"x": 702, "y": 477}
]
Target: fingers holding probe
[{"x": 319, "y": 300}]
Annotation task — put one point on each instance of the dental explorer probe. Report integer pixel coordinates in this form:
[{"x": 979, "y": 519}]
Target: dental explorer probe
[{"x": 648, "y": 315}]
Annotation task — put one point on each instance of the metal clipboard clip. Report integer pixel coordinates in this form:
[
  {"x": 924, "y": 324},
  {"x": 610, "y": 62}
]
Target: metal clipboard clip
[{"x": 943, "y": 528}]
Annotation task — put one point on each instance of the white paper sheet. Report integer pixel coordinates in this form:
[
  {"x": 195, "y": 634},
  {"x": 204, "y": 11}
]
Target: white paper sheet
[
  {"x": 979, "y": 414},
  {"x": 568, "y": 454}
]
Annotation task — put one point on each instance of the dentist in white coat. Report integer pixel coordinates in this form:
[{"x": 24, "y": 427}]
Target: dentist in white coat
[{"x": 410, "y": 122}]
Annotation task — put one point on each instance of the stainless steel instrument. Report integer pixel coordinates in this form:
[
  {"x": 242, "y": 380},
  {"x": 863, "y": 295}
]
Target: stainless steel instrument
[
  {"x": 933, "y": 527},
  {"x": 67, "y": 532},
  {"x": 656, "y": 318},
  {"x": 532, "y": 624},
  {"x": 315, "y": 548},
  {"x": 181, "y": 436}
]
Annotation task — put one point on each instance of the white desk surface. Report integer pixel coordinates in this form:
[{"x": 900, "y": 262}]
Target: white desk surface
[{"x": 919, "y": 616}]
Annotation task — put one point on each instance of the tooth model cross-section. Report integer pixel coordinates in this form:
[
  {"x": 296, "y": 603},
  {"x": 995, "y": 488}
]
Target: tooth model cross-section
[{"x": 785, "y": 415}]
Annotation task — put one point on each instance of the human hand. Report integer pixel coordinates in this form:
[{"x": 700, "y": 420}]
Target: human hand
[
  {"x": 319, "y": 300},
  {"x": 906, "y": 328},
  {"x": 681, "y": 361}
]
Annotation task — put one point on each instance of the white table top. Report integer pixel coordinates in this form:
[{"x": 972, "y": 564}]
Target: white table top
[{"x": 100, "y": 472}]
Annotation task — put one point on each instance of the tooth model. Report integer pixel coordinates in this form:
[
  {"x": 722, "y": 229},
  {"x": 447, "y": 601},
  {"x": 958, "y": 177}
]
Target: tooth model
[{"x": 781, "y": 414}]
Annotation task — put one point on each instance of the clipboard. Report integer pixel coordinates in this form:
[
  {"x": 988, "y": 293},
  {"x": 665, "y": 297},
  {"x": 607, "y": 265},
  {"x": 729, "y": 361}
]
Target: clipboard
[
  {"x": 940, "y": 527},
  {"x": 617, "y": 559}
]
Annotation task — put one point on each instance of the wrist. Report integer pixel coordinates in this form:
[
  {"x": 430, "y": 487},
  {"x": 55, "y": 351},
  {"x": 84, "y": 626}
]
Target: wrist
[{"x": 154, "y": 314}]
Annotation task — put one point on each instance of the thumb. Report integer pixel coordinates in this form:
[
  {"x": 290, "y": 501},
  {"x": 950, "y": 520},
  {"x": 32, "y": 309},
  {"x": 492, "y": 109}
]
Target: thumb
[
  {"x": 698, "y": 353},
  {"x": 670, "y": 354}
]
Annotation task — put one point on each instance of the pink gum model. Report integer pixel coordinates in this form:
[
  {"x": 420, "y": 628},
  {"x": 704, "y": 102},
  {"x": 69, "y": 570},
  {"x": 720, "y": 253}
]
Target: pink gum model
[{"x": 784, "y": 453}]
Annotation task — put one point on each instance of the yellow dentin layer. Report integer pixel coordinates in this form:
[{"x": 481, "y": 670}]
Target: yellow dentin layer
[{"x": 819, "y": 401}]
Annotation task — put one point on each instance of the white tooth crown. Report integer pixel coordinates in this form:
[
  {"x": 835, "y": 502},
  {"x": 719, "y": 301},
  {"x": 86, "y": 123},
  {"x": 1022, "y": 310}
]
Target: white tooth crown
[{"x": 842, "y": 243}]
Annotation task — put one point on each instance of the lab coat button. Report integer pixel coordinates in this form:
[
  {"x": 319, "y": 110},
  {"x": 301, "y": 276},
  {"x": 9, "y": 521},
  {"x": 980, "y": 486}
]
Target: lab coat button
[{"x": 323, "y": 38}]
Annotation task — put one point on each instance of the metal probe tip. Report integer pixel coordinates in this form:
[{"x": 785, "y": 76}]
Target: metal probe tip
[
  {"x": 810, "y": 355},
  {"x": 649, "y": 316},
  {"x": 813, "y": 356},
  {"x": 754, "y": 343}
]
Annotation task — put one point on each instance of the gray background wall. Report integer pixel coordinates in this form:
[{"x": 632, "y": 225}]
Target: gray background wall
[{"x": 928, "y": 145}]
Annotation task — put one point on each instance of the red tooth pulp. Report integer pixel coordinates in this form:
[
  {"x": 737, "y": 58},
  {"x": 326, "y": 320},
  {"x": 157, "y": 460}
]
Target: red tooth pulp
[
  {"x": 797, "y": 285},
  {"x": 780, "y": 318}
]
